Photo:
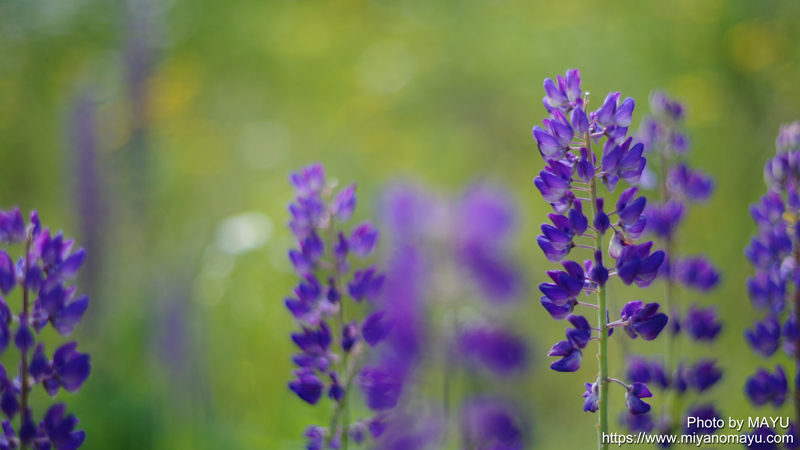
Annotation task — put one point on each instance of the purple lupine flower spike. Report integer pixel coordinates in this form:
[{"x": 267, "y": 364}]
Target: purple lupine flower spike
[
  {"x": 569, "y": 141},
  {"x": 774, "y": 252},
  {"x": 41, "y": 274},
  {"x": 319, "y": 218}
]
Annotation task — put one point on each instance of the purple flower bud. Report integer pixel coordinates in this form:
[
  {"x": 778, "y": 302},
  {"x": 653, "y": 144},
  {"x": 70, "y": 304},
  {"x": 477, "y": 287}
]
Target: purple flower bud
[
  {"x": 601, "y": 220},
  {"x": 605, "y": 115},
  {"x": 548, "y": 145},
  {"x": 349, "y": 336},
  {"x": 577, "y": 220},
  {"x": 624, "y": 114},
  {"x": 592, "y": 396},
  {"x": 309, "y": 181},
  {"x": 363, "y": 239},
  {"x": 633, "y": 398},
  {"x": 573, "y": 85},
  {"x": 12, "y": 226},
  {"x": 344, "y": 203},
  {"x": 336, "y": 390},
  {"x": 561, "y": 128},
  {"x": 24, "y": 338},
  {"x": 580, "y": 123},
  {"x": 555, "y": 97},
  {"x": 7, "y": 273}
]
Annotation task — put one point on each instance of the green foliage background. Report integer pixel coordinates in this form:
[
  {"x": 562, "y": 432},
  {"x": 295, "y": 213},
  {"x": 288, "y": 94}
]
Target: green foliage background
[{"x": 442, "y": 91}]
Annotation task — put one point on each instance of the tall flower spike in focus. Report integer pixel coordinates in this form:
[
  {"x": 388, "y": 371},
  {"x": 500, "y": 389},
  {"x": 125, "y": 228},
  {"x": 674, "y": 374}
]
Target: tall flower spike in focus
[
  {"x": 569, "y": 182},
  {"x": 774, "y": 290},
  {"x": 48, "y": 262},
  {"x": 330, "y": 356},
  {"x": 680, "y": 186}
]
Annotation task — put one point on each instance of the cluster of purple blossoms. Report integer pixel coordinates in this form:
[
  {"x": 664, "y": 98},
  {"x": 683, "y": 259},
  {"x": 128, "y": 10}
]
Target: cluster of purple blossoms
[
  {"x": 46, "y": 264},
  {"x": 774, "y": 252},
  {"x": 444, "y": 254},
  {"x": 568, "y": 180},
  {"x": 328, "y": 359},
  {"x": 665, "y": 142}
]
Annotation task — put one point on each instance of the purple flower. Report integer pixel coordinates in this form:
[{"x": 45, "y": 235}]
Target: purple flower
[
  {"x": 376, "y": 327},
  {"x": 633, "y": 398},
  {"x": 663, "y": 219},
  {"x": 696, "y": 272},
  {"x": 309, "y": 180},
  {"x": 380, "y": 386},
  {"x": 364, "y": 239},
  {"x": 638, "y": 370},
  {"x": 344, "y": 203},
  {"x": 366, "y": 284},
  {"x": 702, "y": 323},
  {"x": 764, "y": 387},
  {"x": 72, "y": 367},
  {"x": 60, "y": 430},
  {"x": 630, "y": 212},
  {"x": 570, "y": 349},
  {"x": 12, "y": 226},
  {"x": 705, "y": 374},
  {"x": 643, "y": 320},
  {"x": 592, "y": 395},
  {"x": 636, "y": 264},
  {"x": 565, "y": 288},
  {"x": 662, "y": 105},
  {"x": 307, "y": 386},
  {"x": 691, "y": 184},
  {"x": 315, "y": 436},
  {"x": 498, "y": 350},
  {"x": 491, "y": 424},
  {"x": 336, "y": 390},
  {"x": 766, "y": 290}
]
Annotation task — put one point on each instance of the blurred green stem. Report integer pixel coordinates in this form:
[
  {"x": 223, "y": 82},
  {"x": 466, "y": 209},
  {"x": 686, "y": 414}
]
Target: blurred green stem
[
  {"x": 602, "y": 320},
  {"x": 343, "y": 407},
  {"x": 669, "y": 290}
]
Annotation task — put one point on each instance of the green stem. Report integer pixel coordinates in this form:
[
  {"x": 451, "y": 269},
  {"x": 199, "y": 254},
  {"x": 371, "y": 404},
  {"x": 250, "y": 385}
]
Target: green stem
[
  {"x": 602, "y": 355},
  {"x": 343, "y": 405}
]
